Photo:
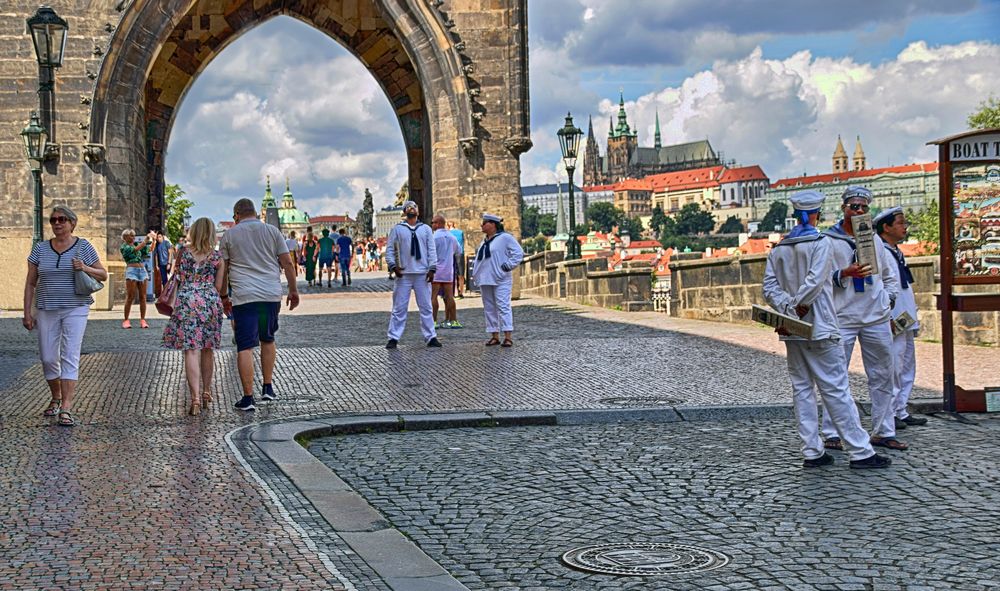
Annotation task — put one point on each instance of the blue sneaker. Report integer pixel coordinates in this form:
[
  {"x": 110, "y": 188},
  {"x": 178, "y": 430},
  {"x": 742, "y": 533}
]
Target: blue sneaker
[
  {"x": 245, "y": 403},
  {"x": 267, "y": 393}
]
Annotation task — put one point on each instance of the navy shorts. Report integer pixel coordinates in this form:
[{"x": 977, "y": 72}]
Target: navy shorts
[
  {"x": 255, "y": 323},
  {"x": 326, "y": 262}
]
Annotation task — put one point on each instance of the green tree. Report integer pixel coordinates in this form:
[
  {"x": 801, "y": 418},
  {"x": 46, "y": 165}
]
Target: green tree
[
  {"x": 987, "y": 116},
  {"x": 774, "y": 219},
  {"x": 177, "y": 209},
  {"x": 529, "y": 222},
  {"x": 732, "y": 225},
  {"x": 535, "y": 245},
  {"x": 633, "y": 225},
  {"x": 658, "y": 220},
  {"x": 925, "y": 225},
  {"x": 692, "y": 219},
  {"x": 603, "y": 216},
  {"x": 547, "y": 224}
]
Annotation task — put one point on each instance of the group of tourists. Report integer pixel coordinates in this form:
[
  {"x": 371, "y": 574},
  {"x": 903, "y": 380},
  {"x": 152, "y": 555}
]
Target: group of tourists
[
  {"x": 240, "y": 277},
  {"x": 816, "y": 277},
  {"x": 334, "y": 254}
]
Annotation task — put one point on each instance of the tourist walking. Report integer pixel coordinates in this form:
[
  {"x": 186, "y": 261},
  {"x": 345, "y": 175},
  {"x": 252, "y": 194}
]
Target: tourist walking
[
  {"x": 345, "y": 251},
  {"x": 195, "y": 326},
  {"x": 326, "y": 248},
  {"x": 459, "y": 260},
  {"x": 864, "y": 302},
  {"x": 891, "y": 226},
  {"x": 412, "y": 260},
  {"x": 61, "y": 314},
  {"x": 162, "y": 257},
  {"x": 444, "y": 279},
  {"x": 136, "y": 276},
  {"x": 293, "y": 250},
  {"x": 255, "y": 254},
  {"x": 360, "y": 260},
  {"x": 797, "y": 284},
  {"x": 310, "y": 252},
  {"x": 497, "y": 257}
]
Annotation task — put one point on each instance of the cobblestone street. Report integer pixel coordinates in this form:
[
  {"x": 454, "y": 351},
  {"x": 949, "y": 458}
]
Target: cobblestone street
[{"x": 139, "y": 495}]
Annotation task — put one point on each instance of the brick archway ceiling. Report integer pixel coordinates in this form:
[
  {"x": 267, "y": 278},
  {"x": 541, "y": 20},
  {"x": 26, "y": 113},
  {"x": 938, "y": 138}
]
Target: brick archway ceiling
[{"x": 209, "y": 26}]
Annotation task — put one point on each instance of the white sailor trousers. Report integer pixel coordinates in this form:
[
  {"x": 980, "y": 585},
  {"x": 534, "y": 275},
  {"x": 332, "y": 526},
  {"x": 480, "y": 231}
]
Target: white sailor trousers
[
  {"x": 880, "y": 368},
  {"x": 822, "y": 363},
  {"x": 496, "y": 307},
  {"x": 904, "y": 352},
  {"x": 401, "y": 302}
]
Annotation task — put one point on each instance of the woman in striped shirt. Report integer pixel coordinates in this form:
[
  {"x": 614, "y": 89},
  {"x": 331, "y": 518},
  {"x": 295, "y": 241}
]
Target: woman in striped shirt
[{"x": 61, "y": 317}]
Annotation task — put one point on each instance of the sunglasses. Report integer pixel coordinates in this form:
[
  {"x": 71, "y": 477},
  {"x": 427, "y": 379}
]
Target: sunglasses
[
  {"x": 857, "y": 207},
  {"x": 58, "y": 219}
]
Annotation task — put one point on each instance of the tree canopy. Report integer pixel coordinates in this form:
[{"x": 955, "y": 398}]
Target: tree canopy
[
  {"x": 177, "y": 209},
  {"x": 603, "y": 216},
  {"x": 732, "y": 225},
  {"x": 987, "y": 116},
  {"x": 774, "y": 219},
  {"x": 692, "y": 219}
]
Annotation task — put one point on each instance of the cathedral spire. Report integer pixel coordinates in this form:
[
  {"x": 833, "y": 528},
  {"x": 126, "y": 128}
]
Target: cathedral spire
[
  {"x": 287, "y": 200},
  {"x": 268, "y": 197},
  {"x": 657, "y": 143},
  {"x": 590, "y": 128},
  {"x": 859, "y": 156},
  {"x": 623, "y": 128}
]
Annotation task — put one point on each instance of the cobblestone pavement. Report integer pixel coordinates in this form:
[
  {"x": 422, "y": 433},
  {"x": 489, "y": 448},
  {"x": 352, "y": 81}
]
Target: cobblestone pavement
[
  {"x": 139, "y": 495},
  {"x": 498, "y": 507}
]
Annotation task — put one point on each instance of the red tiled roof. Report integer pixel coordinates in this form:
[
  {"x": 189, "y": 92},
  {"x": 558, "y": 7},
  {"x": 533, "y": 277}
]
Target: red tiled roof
[
  {"x": 916, "y": 249},
  {"x": 644, "y": 244},
  {"x": 643, "y": 256},
  {"x": 854, "y": 174},
  {"x": 744, "y": 173},
  {"x": 633, "y": 185},
  {"x": 329, "y": 219},
  {"x": 594, "y": 188},
  {"x": 687, "y": 179},
  {"x": 756, "y": 246}
]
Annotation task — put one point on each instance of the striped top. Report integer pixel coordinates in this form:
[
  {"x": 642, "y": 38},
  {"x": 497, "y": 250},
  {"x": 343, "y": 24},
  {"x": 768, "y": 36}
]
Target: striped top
[{"x": 56, "y": 287}]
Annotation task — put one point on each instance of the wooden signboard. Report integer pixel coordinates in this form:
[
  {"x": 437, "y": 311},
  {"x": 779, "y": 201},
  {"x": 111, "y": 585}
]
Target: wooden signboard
[{"x": 969, "y": 170}]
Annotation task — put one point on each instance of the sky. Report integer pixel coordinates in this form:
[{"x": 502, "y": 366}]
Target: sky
[{"x": 768, "y": 82}]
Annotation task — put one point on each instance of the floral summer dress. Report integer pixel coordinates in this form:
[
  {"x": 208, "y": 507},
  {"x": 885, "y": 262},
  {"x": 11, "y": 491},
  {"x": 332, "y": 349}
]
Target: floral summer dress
[{"x": 197, "y": 319}]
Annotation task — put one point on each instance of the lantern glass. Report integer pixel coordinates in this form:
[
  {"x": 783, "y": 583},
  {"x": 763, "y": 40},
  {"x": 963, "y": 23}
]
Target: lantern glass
[
  {"x": 34, "y": 137},
  {"x": 569, "y": 142},
  {"x": 48, "y": 34}
]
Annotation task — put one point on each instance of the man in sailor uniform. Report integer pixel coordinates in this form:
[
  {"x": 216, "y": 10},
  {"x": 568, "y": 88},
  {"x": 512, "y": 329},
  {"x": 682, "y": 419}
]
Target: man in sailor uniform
[
  {"x": 412, "y": 258},
  {"x": 496, "y": 258},
  {"x": 891, "y": 227},
  {"x": 864, "y": 302},
  {"x": 797, "y": 284}
]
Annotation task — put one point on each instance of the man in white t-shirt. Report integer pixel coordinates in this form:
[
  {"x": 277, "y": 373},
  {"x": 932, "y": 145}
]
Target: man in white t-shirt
[{"x": 255, "y": 254}]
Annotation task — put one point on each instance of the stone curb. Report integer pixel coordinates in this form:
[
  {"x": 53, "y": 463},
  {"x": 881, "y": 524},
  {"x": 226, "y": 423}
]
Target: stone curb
[{"x": 400, "y": 563}]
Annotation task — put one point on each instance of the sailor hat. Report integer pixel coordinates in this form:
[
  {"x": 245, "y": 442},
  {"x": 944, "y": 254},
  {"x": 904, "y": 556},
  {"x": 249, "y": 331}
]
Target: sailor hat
[
  {"x": 489, "y": 217},
  {"x": 854, "y": 192},
  {"x": 807, "y": 200},
  {"x": 887, "y": 215}
]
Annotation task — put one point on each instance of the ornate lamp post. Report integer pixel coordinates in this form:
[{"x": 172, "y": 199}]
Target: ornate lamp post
[
  {"x": 48, "y": 35},
  {"x": 569, "y": 142},
  {"x": 35, "y": 138}
]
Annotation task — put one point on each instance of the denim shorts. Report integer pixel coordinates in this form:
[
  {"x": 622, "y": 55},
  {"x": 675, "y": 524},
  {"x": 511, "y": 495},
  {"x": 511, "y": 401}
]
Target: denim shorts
[
  {"x": 136, "y": 273},
  {"x": 255, "y": 323}
]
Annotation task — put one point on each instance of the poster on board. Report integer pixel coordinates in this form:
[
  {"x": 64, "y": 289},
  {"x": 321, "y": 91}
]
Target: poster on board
[{"x": 976, "y": 211}]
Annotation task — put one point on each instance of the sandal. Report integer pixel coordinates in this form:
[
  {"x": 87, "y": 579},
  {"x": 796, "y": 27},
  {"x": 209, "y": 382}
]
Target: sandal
[
  {"x": 206, "y": 397},
  {"x": 507, "y": 343},
  {"x": 53, "y": 408},
  {"x": 492, "y": 342},
  {"x": 890, "y": 443},
  {"x": 65, "y": 419}
]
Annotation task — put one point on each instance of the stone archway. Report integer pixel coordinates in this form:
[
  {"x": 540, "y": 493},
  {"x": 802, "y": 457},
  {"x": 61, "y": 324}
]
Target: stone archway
[{"x": 455, "y": 71}]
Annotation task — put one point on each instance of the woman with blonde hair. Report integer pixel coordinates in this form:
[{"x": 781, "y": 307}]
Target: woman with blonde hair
[
  {"x": 61, "y": 317},
  {"x": 196, "y": 323},
  {"x": 135, "y": 256}
]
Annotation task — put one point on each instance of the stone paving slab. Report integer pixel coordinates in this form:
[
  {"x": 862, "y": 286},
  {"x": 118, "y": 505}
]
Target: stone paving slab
[{"x": 209, "y": 510}]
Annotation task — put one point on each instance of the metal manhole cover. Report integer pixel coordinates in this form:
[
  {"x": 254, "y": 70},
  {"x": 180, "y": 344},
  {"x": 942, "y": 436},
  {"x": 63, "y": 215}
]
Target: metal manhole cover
[
  {"x": 639, "y": 401},
  {"x": 644, "y": 559}
]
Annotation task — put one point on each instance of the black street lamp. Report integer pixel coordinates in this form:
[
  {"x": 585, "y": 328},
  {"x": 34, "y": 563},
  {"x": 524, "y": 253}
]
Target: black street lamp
[
  {"x": 569, "y": 142},
  {"x": 48, "y": 35},
  {"x": 35, "y": 139}
]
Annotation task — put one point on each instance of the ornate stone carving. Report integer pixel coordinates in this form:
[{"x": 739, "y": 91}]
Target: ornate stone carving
[
  {"x": 469, "y": 145},
  {"x": 84, "y": 99},
  {"x": 52, "y": 152},
  {"x": 517, "y": 145},
  {"x": 93, "y": 153}
]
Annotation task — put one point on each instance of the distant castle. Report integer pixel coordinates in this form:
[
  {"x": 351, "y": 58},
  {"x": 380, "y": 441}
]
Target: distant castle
[{"x": 625, "y": 159}]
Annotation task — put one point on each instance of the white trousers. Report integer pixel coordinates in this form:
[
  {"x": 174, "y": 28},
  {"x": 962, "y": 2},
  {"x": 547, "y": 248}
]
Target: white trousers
[
  {"x": 876, "y": 353},
  {"x": 401, "y": 302},
  {"x": 904, "y": 353},
  {"x": 822, "y": 363},
  {"x": 60, "y": 337},
  {"x": 496, "y": 306}
]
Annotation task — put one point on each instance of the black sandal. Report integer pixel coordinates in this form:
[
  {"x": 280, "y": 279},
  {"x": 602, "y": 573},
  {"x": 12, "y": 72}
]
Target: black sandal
[
  {"x": 492, "y": 342},
  {"x": 507, "y": 343},
  {"x": 54, "y": 405},
  {"x": 65, "y": 419}
]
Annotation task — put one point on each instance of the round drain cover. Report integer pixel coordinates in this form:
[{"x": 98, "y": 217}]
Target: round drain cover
[
  {"x": 634, "y": 401},
  {"x": 644, "y": 559}
]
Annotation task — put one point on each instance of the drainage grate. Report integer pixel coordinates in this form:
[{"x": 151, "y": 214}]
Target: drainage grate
[
  {"x": 637, "y": 401},
  {"x": 644, "y": 559}
]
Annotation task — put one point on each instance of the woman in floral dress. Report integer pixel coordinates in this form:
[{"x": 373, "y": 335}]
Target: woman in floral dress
[{"x": 196, "y": 324}]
